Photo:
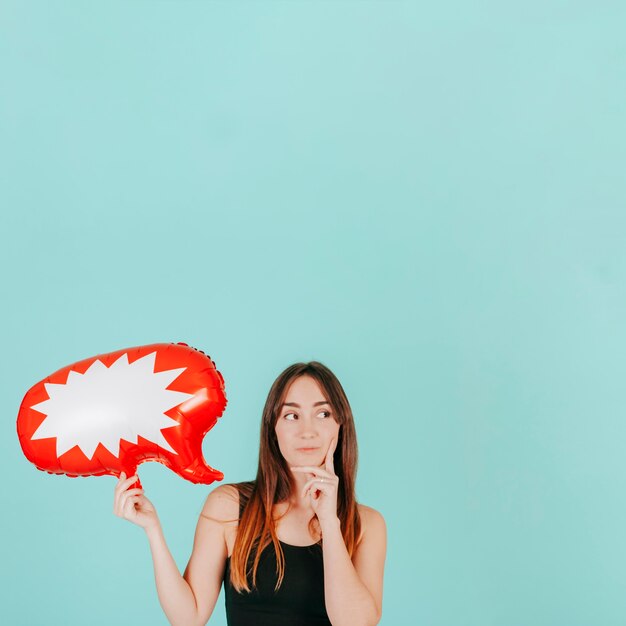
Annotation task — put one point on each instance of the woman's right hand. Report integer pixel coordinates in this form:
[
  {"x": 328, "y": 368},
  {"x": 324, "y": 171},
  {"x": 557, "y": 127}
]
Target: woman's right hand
[{"x": 132, "y": 505}]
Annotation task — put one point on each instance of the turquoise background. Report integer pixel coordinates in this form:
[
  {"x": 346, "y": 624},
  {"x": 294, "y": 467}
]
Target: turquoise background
[{"x": 427, "y": 197}]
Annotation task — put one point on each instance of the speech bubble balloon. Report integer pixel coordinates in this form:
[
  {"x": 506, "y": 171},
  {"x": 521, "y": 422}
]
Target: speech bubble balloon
[{"x": 109, "y": 413}]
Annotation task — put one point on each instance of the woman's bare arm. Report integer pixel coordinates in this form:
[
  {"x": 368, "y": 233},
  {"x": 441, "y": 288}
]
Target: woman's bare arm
[
  {"x": 205, "y": 570},
  {"x": 353, "y": 589},
  {"x": 186, "y": 600},
  {"x": 175, "y": 594}
]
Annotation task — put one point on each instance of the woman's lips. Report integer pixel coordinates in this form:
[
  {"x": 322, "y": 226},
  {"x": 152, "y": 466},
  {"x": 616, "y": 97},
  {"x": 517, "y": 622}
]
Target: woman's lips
[{"x": 307, "y": 449}]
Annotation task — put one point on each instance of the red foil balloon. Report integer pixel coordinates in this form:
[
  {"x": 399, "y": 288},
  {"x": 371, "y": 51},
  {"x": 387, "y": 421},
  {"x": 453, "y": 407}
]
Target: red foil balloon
[{"x": 111, "y": 412}]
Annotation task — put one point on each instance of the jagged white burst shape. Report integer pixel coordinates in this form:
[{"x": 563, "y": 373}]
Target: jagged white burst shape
[{"x": 107, "y": 404}]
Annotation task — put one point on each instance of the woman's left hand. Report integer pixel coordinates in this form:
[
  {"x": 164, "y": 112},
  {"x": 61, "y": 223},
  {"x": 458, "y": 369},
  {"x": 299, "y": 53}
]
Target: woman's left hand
[{"x": 322, "y": 488}]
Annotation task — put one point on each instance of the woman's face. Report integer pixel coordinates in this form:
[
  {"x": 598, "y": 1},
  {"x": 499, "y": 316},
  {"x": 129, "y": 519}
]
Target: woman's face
[{"x": 306, "y": 423}]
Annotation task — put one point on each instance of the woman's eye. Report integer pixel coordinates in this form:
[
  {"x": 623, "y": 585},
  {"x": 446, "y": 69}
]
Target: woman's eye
[
  {"x": 290, "y": 416},
  {"x": 325, "y": 413}
]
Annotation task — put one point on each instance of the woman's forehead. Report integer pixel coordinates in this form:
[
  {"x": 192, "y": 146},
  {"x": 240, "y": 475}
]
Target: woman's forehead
[{"x": 305, "y": 389}]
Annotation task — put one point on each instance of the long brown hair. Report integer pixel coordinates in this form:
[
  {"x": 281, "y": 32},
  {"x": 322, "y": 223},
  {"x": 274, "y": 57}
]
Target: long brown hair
[{"x": 273, "y": 482}]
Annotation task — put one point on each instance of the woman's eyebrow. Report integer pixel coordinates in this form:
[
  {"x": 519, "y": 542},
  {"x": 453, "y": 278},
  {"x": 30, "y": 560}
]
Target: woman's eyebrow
[{"x": 299, "y": 407}]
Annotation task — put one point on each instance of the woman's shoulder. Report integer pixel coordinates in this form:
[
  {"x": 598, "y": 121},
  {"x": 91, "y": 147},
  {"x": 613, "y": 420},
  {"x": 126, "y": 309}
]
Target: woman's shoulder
[
  {"x": 372, "y": 521},
  {"x": 368, "y": 512},
  {"x": 222, "y": 504}
]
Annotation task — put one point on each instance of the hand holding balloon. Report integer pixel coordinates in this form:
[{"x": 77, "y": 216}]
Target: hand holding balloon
[{"x": 132, "y": 505}]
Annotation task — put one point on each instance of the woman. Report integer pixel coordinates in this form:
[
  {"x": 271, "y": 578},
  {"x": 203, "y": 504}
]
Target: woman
[{"x": 291, "y": 547}]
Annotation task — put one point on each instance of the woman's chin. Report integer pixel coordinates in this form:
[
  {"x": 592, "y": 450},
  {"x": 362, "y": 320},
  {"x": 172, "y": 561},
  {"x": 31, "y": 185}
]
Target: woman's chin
[{"x": 307, "y": 457}]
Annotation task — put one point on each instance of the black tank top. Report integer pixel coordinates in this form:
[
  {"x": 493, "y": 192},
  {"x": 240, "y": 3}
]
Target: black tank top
[{"x": 299, "y": 600}]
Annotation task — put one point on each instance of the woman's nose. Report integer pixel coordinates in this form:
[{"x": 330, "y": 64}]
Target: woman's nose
[{"x": 307, "y": 428}]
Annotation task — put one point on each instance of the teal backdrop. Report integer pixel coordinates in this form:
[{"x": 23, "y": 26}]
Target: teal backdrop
[{"x": 427, "y": 197}]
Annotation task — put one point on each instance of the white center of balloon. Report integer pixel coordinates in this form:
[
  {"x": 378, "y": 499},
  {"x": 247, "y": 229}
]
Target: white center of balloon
[{"x": 107, "y": 404}]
